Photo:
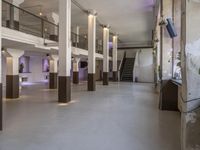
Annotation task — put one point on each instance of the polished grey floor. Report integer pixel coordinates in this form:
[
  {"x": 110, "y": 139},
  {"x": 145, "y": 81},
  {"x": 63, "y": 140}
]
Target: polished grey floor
[{"x": 122, "y": 116}]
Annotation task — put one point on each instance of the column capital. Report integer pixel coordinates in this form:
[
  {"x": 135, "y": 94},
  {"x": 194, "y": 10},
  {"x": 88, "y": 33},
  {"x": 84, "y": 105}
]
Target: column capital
[
  {"x": 53, "y": 57},
  {"x": 76, "y": 59},
  {"x": 106, "y": 26},
  {"x": 116, "y": 36},
  {"x": 13, "y": 53},
  {"x": 92, "y": 12}
]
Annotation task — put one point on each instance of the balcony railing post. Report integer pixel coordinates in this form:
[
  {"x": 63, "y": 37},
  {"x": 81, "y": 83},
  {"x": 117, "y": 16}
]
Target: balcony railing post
[
  {"x": 42, "y": 28},
  {"x": 11, "y": 21}
]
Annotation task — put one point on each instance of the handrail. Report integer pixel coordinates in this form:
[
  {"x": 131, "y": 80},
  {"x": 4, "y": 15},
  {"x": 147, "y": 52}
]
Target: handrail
[
  {"x": 29, "y": 13},
  {"x": 41, "y": 28},
  {"x": 45, "y": 28}
]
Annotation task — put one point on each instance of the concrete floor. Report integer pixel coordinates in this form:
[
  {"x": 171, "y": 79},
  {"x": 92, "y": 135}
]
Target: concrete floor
[{"x": 121, "y": 116}]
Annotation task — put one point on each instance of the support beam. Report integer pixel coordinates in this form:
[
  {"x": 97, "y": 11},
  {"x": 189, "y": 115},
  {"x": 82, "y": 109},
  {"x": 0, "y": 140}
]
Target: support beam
[
  {"x": 115, "y": 67},
  {"x": 64, "y": 88},
  {"x": 75, "y": 38},
  {"x": 106, "y": 55},
  {"x": 1, "y": 100},
  {"x": 165, "y": 57},
  {"x": 12, "y": 74},
  {"x": 53, "y": 72},
  {"x": 91, "y": 51},
  {"x": 190, "y": 62}
]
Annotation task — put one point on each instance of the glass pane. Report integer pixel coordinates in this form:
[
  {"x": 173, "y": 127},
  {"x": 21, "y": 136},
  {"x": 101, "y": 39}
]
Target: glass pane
[{"x": 50, "y": 31}]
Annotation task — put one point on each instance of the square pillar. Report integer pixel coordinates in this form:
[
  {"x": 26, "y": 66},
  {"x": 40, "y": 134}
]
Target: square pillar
[
  {"x": 64, "y": 83},
  {"x": 12, "y": 72},
  {"x": 165, "y": 57},
  {"x": 1, "y": 100},
  {"x": 75, "y": 38},
  {"x": 190, "y": 65},
  {"x": 92, "y": 51},
  {"x": 76, "y": 70},
  {"x": 13, "y": 21},
  {"x": 114, "y": 61},
  {"x": 53, "y": 30},
  {"x": 106, "y": 55},
  {"x": 53, "y": 72}
]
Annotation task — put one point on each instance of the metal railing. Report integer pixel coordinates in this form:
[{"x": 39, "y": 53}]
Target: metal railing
[
  {"x": 16, "y": 18},
  {"x": 79, "y": 41},
  {"x": 99, "y": 48}
]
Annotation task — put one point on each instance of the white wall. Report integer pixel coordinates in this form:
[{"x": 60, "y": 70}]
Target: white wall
[
  {"x": 129, "y": 53},
  {"x": 36, "y": 73},
  {"x": 144, "y": 68}
]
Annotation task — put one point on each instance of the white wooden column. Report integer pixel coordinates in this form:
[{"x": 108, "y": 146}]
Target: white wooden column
[
  {"x": 53, "y": 71},
  {"x": 64, "y": 89},
  {"x": 106, "y": 55},
  {"x": 1, "y": 101},
  {"x": 91, "y": 51},
  {"x": 114, "y": 58},
  {"x": 12, "y": 72},
  {"x": 76, "y": 70},
  {"x": 190, "y": 94}
]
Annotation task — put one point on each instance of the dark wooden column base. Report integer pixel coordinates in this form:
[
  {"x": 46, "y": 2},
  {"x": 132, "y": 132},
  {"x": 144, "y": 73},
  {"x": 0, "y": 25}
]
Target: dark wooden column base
[
  {"x": 53, "y": 80},
  {"x": 105, "y": 78},
  {"x": 91, "y": 82},
  {"x": 76, "y": 77},
  {"x": 1, "y": 108},
  {"x": 12, "y": 86},
  {"x": 115, "y": 76},
  {"x": 168, "y": 96},
  {"x": 64, "y": 89}
]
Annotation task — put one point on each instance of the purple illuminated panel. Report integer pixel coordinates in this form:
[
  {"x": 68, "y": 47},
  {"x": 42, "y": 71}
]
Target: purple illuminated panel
[
  {"x": 45, "y": 65},
  {"x": 24, "y": 64}
]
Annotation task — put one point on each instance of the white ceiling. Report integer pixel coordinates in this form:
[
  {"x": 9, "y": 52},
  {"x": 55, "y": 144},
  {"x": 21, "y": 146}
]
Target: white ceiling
[{"x": 131, "y": 19}]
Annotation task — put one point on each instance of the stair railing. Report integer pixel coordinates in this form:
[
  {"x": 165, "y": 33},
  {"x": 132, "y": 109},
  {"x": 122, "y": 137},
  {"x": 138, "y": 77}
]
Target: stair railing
[{"x": 121, "y": 66}]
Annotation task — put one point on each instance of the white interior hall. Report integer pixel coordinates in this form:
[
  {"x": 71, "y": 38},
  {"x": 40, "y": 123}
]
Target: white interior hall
[{"x": 99, "y": 75}]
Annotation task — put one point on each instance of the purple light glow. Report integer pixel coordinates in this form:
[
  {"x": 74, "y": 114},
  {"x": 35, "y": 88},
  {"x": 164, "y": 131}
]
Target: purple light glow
[
  {"x": 45, "y": 65},
  {"x": 110, "y": 45}
]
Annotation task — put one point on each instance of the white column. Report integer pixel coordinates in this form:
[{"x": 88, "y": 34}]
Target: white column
[
  {"x": 14, "y": 16},
  {"x": 165, "y": 58},
  {"x": 166, "y": 42},
  {"x": 91, "y": 51},
  {"x": 105, "y": 55},
  {"x": 53, "y": 17},
  {"x": 75, "y": 39},
  {"x": 12, "y": 59},
  {"x": 190, "y": 65},
  {"x": 12, "y": 72},
  {"x": 1, "y": 103},
  {"x": 76, "y": 70},
  {"x": 53, "y": 60},
  {"x": 16, "y": 11},
  {"x": 65, "y": 51},
  {"x": 114, "y": 57},
  {"x": 76, "y": 64},
  {"x": 53, "y": 71}
]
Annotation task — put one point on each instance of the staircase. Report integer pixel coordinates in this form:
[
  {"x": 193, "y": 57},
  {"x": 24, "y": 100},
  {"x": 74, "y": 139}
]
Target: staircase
[{"x": 127, "y": 72}]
